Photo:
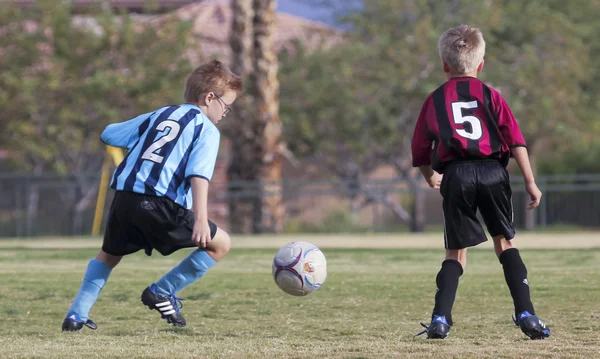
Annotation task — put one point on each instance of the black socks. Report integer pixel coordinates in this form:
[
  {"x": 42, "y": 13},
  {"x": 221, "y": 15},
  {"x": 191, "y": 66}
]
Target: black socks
[
  {"x": 515, "y": 274},
  {"x": 447, "y": 283}
]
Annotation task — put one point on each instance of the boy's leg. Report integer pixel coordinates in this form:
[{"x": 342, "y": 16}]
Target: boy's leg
[
  {"x": 461, "y": 230},
  {"x": 161, "y": 295},
  {"x": 515, "y": 274},
  {"x": 447, "y": 283},
  {"x": 194, "y": 266},
  {"x": 96, "y": 275},
  {"x": 495, "y": 205}
]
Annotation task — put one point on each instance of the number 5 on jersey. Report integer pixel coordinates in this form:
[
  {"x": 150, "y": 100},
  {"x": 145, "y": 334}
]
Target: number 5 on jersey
[{"x": 458, "y": 118}]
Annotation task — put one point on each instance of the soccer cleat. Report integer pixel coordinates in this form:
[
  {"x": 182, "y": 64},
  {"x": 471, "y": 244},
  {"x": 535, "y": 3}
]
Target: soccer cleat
[
  {"x": 73, "y": 323},
  {"x": 168, "y": 307},
  {"x": 532, "y": 326},
  {"x": 437, "y": 329}
]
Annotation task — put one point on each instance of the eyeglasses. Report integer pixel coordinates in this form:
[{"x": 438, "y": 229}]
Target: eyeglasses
[{"x": 227, "y": 108}]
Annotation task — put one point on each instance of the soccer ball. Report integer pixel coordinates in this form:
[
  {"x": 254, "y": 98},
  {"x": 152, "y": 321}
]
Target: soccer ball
[{"x": 299, "y": 268}]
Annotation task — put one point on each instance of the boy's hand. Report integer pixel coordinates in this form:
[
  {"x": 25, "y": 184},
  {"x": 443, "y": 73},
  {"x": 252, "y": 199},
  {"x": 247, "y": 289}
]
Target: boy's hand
[
  {"x": 434, "y": 181},
  {"x": 534, "y": 193},
  {"x": 522, "y": 157},
  {"x": 201, "y": 233}
]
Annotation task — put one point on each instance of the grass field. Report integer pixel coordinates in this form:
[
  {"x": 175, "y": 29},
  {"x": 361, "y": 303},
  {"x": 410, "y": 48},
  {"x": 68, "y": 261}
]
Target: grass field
[{"x": 369, "y": 307}]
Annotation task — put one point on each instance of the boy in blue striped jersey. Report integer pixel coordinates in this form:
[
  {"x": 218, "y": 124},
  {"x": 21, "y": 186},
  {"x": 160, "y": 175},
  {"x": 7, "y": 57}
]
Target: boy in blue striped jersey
[{"x": 161, "y": 194}]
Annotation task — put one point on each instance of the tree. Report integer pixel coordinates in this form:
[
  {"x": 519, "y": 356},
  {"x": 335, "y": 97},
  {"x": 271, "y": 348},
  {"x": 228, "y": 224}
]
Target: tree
[
  {"x": 266, "y": 94},
  {"x": 352, "y": 108},
  {"x": 255, "y": 132},
  {"x": 578, "y": 152},
  {"x": 69, "y": 77},
  {"x": 361, "y": 99},
  {"x": 539, "y": 66},
  {"x": 243, "y": 163}
]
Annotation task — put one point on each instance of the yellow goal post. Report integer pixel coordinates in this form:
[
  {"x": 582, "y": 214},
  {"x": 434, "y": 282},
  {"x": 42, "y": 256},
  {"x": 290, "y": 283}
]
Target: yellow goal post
[{"x": 112, "y": 158}]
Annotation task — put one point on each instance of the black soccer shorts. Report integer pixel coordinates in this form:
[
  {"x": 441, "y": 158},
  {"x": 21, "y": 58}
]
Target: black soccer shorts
[
  {"x": 471, "y": 185},
  {"x": 138, "y": 221}
]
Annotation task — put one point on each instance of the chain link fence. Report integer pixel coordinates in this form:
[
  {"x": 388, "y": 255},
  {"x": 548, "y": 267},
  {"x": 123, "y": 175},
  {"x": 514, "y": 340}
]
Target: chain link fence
[{"x": 51, "y": 205}]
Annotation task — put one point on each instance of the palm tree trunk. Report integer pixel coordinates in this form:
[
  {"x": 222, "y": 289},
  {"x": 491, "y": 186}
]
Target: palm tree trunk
[
  {"x": 241, "y": 169},
  {"x": 266, "y": 92}
]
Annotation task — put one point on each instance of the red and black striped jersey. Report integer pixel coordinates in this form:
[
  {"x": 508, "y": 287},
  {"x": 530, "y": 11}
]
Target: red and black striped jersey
[{"x": 464, "y": 119}]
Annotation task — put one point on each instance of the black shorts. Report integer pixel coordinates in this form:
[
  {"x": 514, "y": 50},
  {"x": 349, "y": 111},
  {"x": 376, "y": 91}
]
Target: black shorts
[
  {"x": 138, "y": 221},
  {"x": 471, "y": 185}
]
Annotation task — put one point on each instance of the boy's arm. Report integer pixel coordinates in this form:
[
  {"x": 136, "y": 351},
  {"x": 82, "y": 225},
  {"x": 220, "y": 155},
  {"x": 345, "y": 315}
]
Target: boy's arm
[
  {"x": 512, "y": 135},
  {"x": 421, "y": 140},
  {"x": 199, "y": 170},
  {"x": 422, "y": 151},
  {"x": 120, "y": 134},
  {"x": 522, "y": 157},
  {"x": 201, "y": 233},
  {"x": 434, "y": 179},
  {"x": 507, "y": 124},
  {"x": 203, "y": 156}
]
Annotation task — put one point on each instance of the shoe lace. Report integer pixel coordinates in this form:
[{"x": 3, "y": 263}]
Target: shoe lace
[
  {"x": 176, "y": 303},
  {"x": 90, "y": 324},
  {"x": 515, "y": 320},
  {"x": 424, "y": 331}
]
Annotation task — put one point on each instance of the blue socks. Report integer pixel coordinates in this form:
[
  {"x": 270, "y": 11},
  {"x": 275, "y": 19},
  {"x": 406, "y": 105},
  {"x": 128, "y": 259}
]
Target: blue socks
[
  {"x": 94, "y": 280},
  {"x": 189, "y": 270},
  {"x": 96, "y": 275}
]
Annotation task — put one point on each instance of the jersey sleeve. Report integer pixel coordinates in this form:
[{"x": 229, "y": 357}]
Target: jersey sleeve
[
  {"x": 421, "y": 141},
  {"x": 123, "y": 134},
  {"x": 203, "y": 156},
  {"x": 509, "y": 128}
]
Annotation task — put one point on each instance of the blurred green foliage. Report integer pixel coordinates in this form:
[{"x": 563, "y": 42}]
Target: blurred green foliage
[
  {"x": 351, "y": 107},
  {"x": 65, "y": 77},
  {"x": 354, "y": 107}
]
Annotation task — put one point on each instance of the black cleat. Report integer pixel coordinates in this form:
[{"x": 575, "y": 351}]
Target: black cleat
[
  {"x": 532, "y": 326},
  {"x": 168, "y": 307},
  {"x": 438, "y": 329},
  {"x": 73, "y": 323}
]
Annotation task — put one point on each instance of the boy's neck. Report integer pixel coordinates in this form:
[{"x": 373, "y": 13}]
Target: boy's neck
[
  {"x": 450, "y": 75},
  {"x": 203, "y": 108}
]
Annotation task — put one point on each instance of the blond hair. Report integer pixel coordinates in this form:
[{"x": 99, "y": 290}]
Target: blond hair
[
  {"x": 212, "y": 76},
  {"x": 462, "y": 48}
]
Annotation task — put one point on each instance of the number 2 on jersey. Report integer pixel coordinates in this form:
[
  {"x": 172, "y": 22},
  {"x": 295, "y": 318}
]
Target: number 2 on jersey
[
  {"x": 458, "y": 118},
  {"x": 150, "y": 153}
]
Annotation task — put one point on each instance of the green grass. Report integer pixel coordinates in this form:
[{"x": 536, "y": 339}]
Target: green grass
[{"x": 369, "y": 307}]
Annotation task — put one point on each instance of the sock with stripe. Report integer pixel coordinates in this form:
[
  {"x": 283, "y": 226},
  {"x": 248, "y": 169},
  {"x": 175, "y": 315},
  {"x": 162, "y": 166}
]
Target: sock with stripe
[
  {"x": 188, "y": 271},
  {"x": 515, "y": 274},
  {"x": 94, "y": 280},
  {"x": 447, "y": 284}
]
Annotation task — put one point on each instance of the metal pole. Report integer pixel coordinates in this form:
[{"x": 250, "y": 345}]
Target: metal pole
[{"x": 103, "y": 188}]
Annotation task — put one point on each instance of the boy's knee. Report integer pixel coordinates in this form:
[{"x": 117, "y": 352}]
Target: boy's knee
[
  {"x": 108, "y": 259},
  {"x": 501, "y": 244},
  {"x": 459, "y": 255},
  {"x": 220, "y": 245}
]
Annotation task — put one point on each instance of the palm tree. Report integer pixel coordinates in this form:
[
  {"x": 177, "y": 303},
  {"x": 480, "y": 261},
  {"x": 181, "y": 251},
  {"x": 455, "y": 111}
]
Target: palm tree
[
  {"x": 266, "y": 98},
  {"x": 242, "y": 166},
  {"x": 255, "y": 130}
]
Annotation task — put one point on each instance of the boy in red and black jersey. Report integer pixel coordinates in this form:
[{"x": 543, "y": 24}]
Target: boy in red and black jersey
[{"x": 467, "y": 132}]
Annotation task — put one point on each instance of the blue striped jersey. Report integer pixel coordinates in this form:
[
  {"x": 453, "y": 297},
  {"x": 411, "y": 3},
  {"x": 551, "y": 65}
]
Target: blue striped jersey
[{"x": 166, "y": 148}]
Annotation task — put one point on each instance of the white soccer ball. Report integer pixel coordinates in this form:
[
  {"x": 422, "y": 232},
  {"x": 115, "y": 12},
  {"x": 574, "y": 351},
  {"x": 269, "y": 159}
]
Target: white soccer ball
[{"x": 299, "y": 268}]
